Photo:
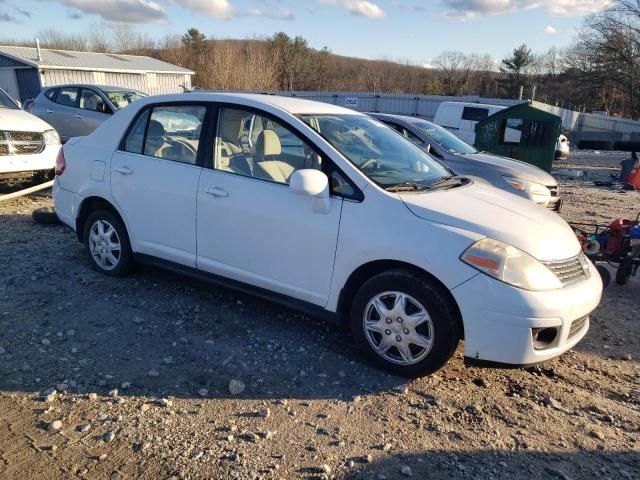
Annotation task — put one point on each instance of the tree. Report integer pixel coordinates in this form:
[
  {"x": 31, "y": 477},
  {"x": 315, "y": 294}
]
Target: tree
[
  {"x": 193, "y": 39},
  {"x": 516, "y": 67}
]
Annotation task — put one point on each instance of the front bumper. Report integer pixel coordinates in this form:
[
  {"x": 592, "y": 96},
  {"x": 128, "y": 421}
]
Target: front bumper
[
  {"x": 18, "y": 164},
  {"x": 500, "y": 320}
]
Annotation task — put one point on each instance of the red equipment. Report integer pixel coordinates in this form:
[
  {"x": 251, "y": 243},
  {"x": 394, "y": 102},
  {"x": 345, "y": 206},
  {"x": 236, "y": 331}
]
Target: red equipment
[
  {"x": 619, "y": 229},
  {"x": 634, "y": 178}
]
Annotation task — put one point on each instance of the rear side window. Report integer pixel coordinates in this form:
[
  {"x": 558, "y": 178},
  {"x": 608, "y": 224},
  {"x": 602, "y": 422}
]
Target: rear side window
[
  {"x": 67, "y": 96},
  {"x": 135, "y": 139},
  {"x": 171, "y": 132},
  {"x": 474, "y": 114},
  {"x": 50, "y": 94}
]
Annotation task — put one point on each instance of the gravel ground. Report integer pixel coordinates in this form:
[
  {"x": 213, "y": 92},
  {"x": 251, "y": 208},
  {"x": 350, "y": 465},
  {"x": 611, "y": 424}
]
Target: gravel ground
[{"x": 157, "y": 376}]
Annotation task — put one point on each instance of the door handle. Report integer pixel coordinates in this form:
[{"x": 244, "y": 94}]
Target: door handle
[
  {"x": 216, "y": 192},
  {"x": 79, "y": 116},
  {"x": 49, "y": 111},
  {"x": 124, "y": 170}
]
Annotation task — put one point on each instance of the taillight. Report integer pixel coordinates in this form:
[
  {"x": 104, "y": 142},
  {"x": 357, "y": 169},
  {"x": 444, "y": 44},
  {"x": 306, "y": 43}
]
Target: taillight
[
  {"x": 61, "y": 163},
  {"x": 30, "y": 107}
]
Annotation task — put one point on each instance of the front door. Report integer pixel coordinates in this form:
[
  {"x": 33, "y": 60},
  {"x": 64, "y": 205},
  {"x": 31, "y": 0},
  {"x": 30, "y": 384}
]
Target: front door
[
  {"x": 154, "y": 181},
  {"x": 251, "y": 227}
]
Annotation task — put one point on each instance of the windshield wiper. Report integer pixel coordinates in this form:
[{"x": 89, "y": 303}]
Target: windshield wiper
[
  {"x": 406, "y": 187},
  {"x": 441, "y": 180}
]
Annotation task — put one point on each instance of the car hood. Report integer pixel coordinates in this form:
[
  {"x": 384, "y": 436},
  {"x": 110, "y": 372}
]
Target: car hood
[
  {"x": 488, "y": 211},
  {"x": 21, "y": 121},
  {"x": 513, "y": 168}
]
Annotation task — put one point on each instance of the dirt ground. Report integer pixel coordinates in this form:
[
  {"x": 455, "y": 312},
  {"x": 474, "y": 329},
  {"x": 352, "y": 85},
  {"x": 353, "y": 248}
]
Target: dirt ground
[{"x": 137, "y": 372}]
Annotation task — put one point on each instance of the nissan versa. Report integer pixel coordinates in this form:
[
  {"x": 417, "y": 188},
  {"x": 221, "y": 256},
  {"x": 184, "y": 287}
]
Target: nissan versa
[{"x": 329, "y": 210}]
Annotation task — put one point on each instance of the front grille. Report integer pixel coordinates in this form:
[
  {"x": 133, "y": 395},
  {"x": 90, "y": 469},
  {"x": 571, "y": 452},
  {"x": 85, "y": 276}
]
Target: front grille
[
  {"x": 21, "y": 143},
  {"x": 567, "y": 271},
  {"x": 577, "y": 326}
]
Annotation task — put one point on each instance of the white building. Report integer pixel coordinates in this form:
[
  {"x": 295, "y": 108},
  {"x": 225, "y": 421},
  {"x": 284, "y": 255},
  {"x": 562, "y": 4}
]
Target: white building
[{"x": 24, "y": 71}]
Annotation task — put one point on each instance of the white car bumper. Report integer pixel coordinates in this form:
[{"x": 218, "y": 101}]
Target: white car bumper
[
  {"x": 46, "y": 160},
  {"x": 67, "y": 204},
  {"x": 500, "y": 321}
]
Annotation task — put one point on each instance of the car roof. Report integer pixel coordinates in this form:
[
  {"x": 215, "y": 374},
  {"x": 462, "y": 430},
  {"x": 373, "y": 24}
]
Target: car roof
[
  {"x": 104, "y": 88},
  {"x": 400, "y": 118},
  {"x": 293, "y": 105}
]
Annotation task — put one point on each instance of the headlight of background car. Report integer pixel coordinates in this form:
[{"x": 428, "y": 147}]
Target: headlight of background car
[
  {"x": 510, "y": 265},
  {"x": 51, "y": 137},
  {"x": 524, "y": 186}
]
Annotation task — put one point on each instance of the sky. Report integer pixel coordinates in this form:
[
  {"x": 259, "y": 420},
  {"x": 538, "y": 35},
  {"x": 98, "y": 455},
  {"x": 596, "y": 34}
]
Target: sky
[{"x": 401, "y": 30}]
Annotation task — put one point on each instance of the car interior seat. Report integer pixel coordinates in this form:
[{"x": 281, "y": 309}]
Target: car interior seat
[
  {"x": 268, "y": 164},
  {"x": 228, "y": 152}
]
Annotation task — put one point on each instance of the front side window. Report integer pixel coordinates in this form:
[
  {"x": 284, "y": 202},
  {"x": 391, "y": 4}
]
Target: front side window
[
  {"x": 90, "y": 100},
  {"x": 122, "y": 99},
  {"x": 381, "y": 154},
  {"x": 67, "y": 96},
  {"x": 171, "y": 132},
  {"x": 258, "y": 146}
]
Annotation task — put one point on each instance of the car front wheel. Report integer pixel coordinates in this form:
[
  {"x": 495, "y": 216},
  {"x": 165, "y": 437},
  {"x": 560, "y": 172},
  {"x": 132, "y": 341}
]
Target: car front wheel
[
  {"x": 405, "y": 323},
  {"x": 107, "y": 243}
]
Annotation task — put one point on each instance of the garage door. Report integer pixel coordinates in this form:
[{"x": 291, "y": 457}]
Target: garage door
[{"x": 9, "y": 84}]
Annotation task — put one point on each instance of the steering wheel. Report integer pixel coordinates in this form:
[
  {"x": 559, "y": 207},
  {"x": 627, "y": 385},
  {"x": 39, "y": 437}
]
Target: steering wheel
[{"x": 372, "y": 162}]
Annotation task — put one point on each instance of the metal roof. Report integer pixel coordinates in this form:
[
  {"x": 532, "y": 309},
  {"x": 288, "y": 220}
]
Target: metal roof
[{"x": 100, "y": 62}]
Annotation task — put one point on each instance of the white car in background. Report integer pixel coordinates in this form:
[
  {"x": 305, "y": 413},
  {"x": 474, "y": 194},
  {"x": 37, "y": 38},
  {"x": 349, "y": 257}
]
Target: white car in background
[
  {"x": 28, "y": 146},
  {"x": 328, "y": 210}
]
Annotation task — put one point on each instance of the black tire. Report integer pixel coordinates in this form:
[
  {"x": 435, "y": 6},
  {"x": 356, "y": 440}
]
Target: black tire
[
  {"x": 124, "y": 258},
  {"x": 623, "y": 273},
  {"x": 45, "y": 215},
  {"x": 605, "y": 275},
  {"x": 445, "y": 332}
]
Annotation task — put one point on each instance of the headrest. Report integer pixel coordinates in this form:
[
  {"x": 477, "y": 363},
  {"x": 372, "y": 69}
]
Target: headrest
[
  {"x": 155, "y": 129},
  {"x": 268, "y": 143}
]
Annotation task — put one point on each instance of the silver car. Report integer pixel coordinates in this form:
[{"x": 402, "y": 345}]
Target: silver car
[
  {"x": 461, "y": 158},
  {"x": 77, "y": 110}
]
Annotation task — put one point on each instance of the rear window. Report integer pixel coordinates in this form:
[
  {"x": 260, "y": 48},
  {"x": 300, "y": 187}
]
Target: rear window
[{"x": 475, "y": 114}]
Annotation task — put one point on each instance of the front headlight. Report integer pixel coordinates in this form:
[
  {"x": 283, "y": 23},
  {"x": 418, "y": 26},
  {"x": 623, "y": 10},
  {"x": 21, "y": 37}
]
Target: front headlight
[
  {"x": 525, "y": 186},
  {"x": 51, "y": 137},
  {"x": 510, "y": 265}
]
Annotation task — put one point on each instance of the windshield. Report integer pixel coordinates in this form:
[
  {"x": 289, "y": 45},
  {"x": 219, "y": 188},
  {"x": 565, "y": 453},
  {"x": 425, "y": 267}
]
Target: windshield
[
  {"x": 6, "y": 102},
  {"x": 444, "y": 137},
  {"x": 380, "y": 153},
  {"x": 122, "y": 99}
]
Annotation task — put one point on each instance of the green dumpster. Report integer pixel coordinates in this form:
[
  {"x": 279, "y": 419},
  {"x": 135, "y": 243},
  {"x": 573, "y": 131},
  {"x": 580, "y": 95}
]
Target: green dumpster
[{"x": 522, "y": 132}]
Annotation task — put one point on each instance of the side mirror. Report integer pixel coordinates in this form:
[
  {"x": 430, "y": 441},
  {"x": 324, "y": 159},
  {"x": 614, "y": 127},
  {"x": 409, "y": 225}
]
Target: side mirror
[{"x": 312, "y": 183}]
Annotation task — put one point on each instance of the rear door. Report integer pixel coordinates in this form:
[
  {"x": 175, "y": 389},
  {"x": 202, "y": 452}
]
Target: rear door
[
  {"x": 154, "y": 180},
  {"x": 470, "y": 117},
  {"x": 65, "y": 116}
]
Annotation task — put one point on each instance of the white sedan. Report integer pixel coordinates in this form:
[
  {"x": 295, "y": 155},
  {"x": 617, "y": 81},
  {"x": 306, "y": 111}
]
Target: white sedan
[{"x": 328, "y": 210}]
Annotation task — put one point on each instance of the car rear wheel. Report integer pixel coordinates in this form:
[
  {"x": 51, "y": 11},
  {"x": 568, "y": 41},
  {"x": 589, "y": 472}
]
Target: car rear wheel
[
  {"x": 405, "y": 323},
  {"x": 107, "y": 243}
]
